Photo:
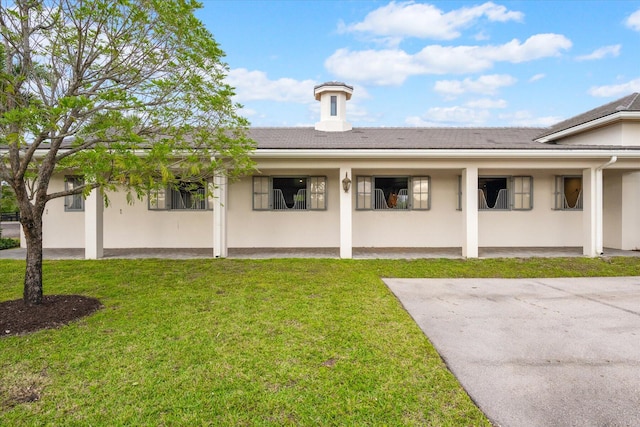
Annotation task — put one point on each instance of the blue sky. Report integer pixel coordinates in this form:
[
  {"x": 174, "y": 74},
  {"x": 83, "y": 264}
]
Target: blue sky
[{"x": 441, "y": 63}]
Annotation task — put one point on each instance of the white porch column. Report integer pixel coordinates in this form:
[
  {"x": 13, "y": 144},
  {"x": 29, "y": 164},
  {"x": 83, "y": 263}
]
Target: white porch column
[
  {"x": 470, "y": 212},
  {"x": 592, "y": 212},
  {"x": 93, "y": 225},
  {"x": 346, "y": 212},
  {"x": 220, "y": 217}
]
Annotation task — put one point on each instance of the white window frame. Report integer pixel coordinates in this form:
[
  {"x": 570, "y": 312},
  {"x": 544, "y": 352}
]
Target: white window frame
[
  {"x": 73, "y": 202},
  {"x": 560, "y": 195},
  {"x": 264, "y": 196},
  {"x": 366, "y": 194}
]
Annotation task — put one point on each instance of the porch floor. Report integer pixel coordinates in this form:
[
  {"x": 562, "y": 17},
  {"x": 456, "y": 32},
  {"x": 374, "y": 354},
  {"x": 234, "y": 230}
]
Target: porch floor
[{"x": 358, "y": 253}]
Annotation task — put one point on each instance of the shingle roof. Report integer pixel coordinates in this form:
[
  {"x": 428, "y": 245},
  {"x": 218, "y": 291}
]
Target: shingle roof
[
  {"x": 628, "y": 103},
  {"x": 398, "y": 138}
]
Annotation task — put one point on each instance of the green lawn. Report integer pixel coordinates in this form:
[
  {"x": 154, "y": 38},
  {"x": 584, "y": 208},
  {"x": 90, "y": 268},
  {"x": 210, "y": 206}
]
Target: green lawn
[{"x": 245, "y": 342}]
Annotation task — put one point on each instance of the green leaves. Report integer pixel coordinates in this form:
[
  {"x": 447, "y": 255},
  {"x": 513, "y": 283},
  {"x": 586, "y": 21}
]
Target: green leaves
[{"x": 128, "y": 93}]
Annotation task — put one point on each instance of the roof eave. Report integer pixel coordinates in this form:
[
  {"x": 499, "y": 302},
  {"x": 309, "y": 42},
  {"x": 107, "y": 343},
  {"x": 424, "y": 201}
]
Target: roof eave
[{"x": 442, "y": 153}]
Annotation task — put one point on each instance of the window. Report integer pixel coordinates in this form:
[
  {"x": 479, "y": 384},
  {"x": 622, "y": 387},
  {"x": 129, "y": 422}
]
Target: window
[
  {"x": 501, "y": 193},
  {"x": 420, "y": 193},
  {"x": 568, "y": 193},
  {"x": 73, "y": 202},
  {"x": 395, "y": 192},
  {"x": 505, "y": 193},
  {"x": 522, "y": 193},
  {"x": 189, "y": 196},
  {"x": 334, "y": 106},
  {"x": 289, "y": 193}
]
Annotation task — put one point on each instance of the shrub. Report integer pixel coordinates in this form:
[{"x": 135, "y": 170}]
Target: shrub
[{"x": 6, "y": 243}]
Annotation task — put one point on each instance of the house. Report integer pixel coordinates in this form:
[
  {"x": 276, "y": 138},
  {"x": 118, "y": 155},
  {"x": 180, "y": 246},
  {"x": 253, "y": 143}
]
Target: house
[{"x": 575, "y": 184}]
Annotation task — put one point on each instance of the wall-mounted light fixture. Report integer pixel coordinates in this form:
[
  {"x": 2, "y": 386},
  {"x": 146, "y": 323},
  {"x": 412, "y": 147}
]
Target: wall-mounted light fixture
[{"x": 346, "y": 182}]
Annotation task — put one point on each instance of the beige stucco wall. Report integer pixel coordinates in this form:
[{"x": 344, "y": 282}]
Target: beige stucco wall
[
  {"x": 626, "y": 134},
  {"x": 631, "y": 211},
  {"x": 621, "y": 206},
  {"x": 441, "y": 226},
  {"x": 612, "y": 209},
  {"x": 127, "y": 226},
  {"x": 61, "y": 229},
  {"x": 247, "y": 228},
  {"x": 134, "y": 226},
  {"x": 541, "y": 226}
]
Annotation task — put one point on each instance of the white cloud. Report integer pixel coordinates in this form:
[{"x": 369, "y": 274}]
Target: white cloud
[
  {"x": 247, "y": 112},
  {"x": 481, "y": 36},
  {"x": 537, "y": 77},
  {"x": 487, "y": 103},
  {"x": 358, "y": 114},
  {"x": 603, "y": 52},
  {"x": 255, "y": 86},
  {"x": 621, "y": 89},
  {"x": 535, "y": 47},
  {"x": 394, "y": 66},
  {"x": 487, "y": 85},
  {"x": 525, "y": 118},
  {"x": 633, "y": 21},
  {"x": 422, "y": 20},
  {"x": 382, "y": 67},
  {"x": 450, "y": 116}
]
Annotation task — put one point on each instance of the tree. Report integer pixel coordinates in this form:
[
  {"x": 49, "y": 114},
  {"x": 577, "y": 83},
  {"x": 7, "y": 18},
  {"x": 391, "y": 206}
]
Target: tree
[{"x": 128, "y": 94}]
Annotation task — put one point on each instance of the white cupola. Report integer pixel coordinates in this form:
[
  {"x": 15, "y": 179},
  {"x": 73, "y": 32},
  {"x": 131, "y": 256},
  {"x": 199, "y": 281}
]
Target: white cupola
[{"x": 333, "y": 97}]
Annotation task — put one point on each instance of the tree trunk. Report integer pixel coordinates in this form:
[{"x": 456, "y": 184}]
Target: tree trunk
[{"x": 33, "y": 274}]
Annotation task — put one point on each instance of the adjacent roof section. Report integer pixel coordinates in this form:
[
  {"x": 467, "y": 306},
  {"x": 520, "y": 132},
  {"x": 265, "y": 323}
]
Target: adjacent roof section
[
  {"x": 398, "y": 138},
  {"x": 630, "y": 103}
]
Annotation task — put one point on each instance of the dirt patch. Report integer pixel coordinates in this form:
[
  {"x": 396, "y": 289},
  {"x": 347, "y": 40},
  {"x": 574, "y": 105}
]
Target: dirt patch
[
  {"x": 17, "y": 318},
  {"x": 19, "y": 384}
]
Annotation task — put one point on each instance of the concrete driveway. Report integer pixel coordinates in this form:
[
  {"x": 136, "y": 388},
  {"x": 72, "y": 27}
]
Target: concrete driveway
[{"x": 537, "y": 352}]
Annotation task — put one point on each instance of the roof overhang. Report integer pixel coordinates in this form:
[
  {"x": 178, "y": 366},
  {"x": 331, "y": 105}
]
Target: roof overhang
[
  {"x": 442, "y": 154},
  {"x": 602, "y": 121}
]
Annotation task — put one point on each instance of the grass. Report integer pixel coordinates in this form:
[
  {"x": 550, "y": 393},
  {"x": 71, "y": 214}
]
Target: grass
[{"x": 244, "y": 342}]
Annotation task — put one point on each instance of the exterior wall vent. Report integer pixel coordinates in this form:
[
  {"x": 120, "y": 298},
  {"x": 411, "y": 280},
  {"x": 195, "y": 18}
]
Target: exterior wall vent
[{"x": 333, "y": 97}]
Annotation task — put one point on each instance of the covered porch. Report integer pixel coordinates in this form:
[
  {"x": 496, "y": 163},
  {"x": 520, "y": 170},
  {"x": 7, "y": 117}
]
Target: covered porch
[{"x": 456, "y": 224}]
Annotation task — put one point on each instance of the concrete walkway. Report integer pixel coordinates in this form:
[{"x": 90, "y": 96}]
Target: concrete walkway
[
  {"x": 358, "y": 253},
  {"x": 11, "y": 229},
  {"x": 537, "y": 352}
]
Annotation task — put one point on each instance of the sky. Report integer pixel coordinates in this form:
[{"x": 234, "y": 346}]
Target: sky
[{"x": 439, "y": 63}]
